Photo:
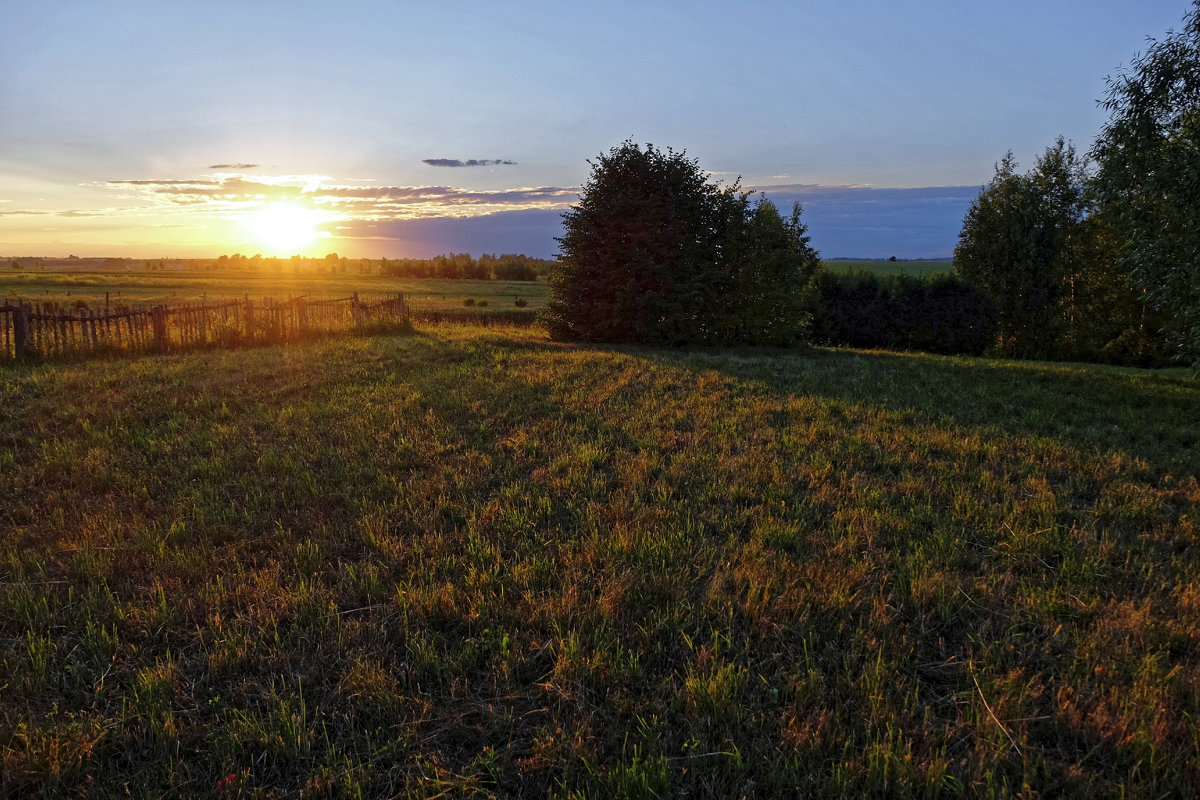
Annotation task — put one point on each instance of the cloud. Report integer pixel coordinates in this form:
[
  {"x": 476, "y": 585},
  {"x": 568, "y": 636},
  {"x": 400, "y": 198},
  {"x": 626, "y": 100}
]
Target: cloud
[
  {"x": 397, "y": 219},
  {"x": 844, "y": 221},
  {"x": 233, "y": 166},
  {"x": 474, "y": 162},
  {"x": 530, "y": 232},
  {"x": 366, "y": 202},
  {"x": 67, "y": 213},
  {"x": 379, "y": 202}
]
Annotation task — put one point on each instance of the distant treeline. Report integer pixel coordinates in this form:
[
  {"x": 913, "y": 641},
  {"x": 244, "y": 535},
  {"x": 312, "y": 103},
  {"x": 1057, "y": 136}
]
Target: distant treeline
[
  {"x": 461, "y": 266},
  {"x": 455, "y": 266},
  {"x": 947, "y": 314}
]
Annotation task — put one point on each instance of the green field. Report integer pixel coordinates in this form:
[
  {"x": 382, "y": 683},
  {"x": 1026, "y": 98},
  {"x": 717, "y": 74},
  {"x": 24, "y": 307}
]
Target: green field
[
  {"x": 479, "y": 563},
  {"x": 189, "y": 286},
  {"x": 144, "y": 287},
  {"x": 883, "y": 267}
]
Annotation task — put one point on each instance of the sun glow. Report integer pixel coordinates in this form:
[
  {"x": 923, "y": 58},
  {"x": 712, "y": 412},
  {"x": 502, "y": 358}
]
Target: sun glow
[{"x": 286, "y": 229}]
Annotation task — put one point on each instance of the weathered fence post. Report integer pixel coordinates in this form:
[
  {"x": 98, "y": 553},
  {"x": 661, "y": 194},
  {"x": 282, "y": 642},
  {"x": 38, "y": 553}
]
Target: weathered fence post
[
  {"x": 249, "y": 319},
  {"x": 20, "y": 331},
  {"x": 301, "y": 318},
  {"x": 159, "y": 323}
]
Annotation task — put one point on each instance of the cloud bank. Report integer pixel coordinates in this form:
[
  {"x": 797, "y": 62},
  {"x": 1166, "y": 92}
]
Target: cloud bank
[
  {"x": 474, "y": 162},
  {"x": 865, "y": 222},
  {"x": 422, "y": 221},
  {"x": 357, "y": 202}
]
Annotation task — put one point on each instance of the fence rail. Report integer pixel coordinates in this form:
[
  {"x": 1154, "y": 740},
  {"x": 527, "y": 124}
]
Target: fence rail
[{"x": 45, "y": 330}]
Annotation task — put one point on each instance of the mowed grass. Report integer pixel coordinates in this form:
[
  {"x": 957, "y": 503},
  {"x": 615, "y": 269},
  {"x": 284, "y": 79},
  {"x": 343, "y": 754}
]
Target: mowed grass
[
  {"x": 192, "y": 286},
  {"x": 478, "y": 563}
]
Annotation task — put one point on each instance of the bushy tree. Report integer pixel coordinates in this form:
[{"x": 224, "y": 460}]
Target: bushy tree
[
  {"x": 1149, "y": 176},
  {"x": 1044, "y": 251},
  {"x": 655, "y": 252},
  {"x": 772, "y": 266},
  {"x": 1014, "y": 245}
]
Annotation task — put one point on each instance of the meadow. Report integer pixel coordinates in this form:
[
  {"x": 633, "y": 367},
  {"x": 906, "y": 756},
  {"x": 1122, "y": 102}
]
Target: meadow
[
  {"x": 475, "y": 562},
  {"x": 173, "y": 287},
  {"x": 152, "y": 287}
]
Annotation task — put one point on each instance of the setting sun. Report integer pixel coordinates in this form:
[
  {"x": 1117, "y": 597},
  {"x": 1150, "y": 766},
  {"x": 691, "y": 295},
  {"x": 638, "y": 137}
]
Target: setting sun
[{"x": 286, "y": 229}]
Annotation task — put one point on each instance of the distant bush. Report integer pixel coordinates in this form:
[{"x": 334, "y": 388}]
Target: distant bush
[
  {"x": 938, "y": 314},
  {"x": 470, "y": 301},
  {"x": 520, "y": 302}
]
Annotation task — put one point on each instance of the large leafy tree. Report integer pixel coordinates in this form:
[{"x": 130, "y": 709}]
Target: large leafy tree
[
  {"x": 636, "y": 249},
  {"x": 1015, "y": 244},
  {"x": 1149, "y": 176},
  {"x": 656, "y": 252}
]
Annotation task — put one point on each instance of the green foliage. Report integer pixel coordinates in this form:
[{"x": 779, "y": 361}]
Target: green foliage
[
  {"x": 655, "y": 252},
  {"x": 773, "y": 267},
  {"x": 1105, "y": 316},
  {"x": 1013, "y": 244},
  {"x": 1042, "y": 249},
  {"x": 937, "y": 314},
  {"x": 1149, "y": 176}
]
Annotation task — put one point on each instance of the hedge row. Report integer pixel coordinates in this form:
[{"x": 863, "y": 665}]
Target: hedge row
[{"x": 938, "y": 314}]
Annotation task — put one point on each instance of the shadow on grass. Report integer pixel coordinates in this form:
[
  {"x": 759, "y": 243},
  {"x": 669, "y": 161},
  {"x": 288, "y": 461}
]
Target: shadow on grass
[{"x": 1149, "y": 415}]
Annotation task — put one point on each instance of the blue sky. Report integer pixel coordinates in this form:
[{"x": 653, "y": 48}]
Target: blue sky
[{"x": 164, "y": 128}]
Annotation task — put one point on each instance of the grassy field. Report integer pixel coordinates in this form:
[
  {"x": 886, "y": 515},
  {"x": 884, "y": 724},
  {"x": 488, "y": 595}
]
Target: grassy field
[
  {"x": 142, "y": 287},
  {"x": 884, "y": 268},
  {"x": 187, "y": 286},
  {"x": 479, "y": 563}
]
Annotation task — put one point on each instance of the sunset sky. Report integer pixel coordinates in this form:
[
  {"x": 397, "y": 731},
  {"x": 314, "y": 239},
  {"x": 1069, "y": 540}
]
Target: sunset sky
[{"x": 191, "y": 129}]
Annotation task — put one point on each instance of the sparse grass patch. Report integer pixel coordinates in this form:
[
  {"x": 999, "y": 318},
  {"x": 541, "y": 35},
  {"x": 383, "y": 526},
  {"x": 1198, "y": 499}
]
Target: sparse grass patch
[{"x": 474, "y": 561}]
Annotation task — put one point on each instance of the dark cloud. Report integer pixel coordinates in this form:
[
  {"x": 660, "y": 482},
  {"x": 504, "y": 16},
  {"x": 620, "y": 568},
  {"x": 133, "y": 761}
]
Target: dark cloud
[
  {"x": 370, "y": 201},
  {"x": 234, "y": 166},
  {"x": 530, "y": 232},
  {"x": 200, "y": 191},
  {"x": 165, "y": 183},
  {"x": 450, "y": 195},
  {"x": 474, "y": 162},
  {"x": 844, "y": 221}
]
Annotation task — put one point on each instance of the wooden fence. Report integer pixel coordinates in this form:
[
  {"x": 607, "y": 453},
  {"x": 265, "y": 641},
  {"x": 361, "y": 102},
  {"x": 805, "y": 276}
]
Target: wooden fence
[{"x": 47, "y": 329}]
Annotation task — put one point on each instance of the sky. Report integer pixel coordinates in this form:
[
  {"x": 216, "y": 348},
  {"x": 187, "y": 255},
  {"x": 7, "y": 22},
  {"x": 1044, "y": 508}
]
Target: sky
[{"x": 410, "y": 128}]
